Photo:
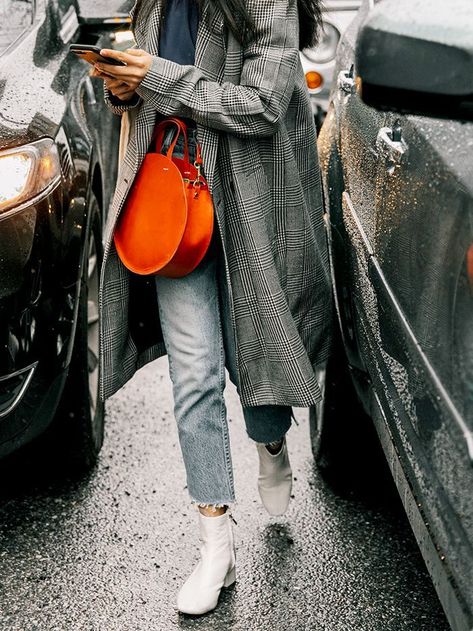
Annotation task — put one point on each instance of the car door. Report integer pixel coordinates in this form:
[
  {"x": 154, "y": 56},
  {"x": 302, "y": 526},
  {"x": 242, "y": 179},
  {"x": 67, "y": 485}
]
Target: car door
[
  {"x": 353, "y": 195},
  {"x": 422, "y": 269},
  {"x": 402, "y": 258}
]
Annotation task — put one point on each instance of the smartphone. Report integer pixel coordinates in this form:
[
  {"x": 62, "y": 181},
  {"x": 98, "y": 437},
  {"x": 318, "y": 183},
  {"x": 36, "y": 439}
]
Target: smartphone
[{"x": 92, "y": 55}]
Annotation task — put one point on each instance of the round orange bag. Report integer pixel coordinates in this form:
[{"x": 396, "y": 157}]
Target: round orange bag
[{"x": 166, "y": 224}]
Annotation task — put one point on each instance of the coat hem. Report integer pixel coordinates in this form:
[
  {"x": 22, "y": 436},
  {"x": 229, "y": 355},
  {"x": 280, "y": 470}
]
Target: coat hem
[{"x": 147, "y": 356}]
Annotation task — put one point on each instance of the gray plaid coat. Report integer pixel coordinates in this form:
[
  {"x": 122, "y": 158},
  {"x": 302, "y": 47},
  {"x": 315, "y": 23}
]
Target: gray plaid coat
[{"x": 256, "y": 130}]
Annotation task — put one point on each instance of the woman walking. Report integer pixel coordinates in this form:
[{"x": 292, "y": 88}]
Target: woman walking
[{"x": 260, "y": 301}]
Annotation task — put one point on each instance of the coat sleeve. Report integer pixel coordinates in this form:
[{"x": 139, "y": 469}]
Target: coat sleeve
[
  {"x": 117, "y": 105},
  {"x": 254, "y": 106}
]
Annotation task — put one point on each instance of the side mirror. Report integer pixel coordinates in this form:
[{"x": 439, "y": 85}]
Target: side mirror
[
  {"x": 101, "y": 23},
  {"x": 417, "y": 58},
  {"x": 103, "y": 16}
]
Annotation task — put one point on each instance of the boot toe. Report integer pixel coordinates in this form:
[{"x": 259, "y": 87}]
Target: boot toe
[
  {"x": 188, "y": 603},
  {"x": 276, "y": 499}
]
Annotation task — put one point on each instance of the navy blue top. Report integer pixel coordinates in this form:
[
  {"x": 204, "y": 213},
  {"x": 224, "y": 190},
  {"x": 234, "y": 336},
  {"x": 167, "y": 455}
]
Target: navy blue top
[{"x": 179, "y": 31}]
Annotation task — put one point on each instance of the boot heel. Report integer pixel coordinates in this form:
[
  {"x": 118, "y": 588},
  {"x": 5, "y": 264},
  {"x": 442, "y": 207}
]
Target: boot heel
[{"x": 230, "y": 578}]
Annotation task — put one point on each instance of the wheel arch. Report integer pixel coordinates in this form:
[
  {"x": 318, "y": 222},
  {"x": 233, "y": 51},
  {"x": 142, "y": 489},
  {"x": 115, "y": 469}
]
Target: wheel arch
[
  {"x": 339, "y": 242},
  {"x": 97, "y": 185}
]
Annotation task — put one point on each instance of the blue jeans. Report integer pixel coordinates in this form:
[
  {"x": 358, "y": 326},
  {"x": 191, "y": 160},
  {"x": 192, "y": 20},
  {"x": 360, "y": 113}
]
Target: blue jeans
[
  {"x": 190, "y": 312},
  {"x": 199, "y": 339}
]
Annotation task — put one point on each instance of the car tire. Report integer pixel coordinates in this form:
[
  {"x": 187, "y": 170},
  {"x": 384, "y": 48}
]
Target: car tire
[
  {"x": 340, "y": 430},
  {"x": 77, "y": 431}
]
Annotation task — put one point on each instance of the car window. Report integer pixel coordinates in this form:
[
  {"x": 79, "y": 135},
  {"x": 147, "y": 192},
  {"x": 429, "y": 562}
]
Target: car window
[{"x": 15, "y": 17}]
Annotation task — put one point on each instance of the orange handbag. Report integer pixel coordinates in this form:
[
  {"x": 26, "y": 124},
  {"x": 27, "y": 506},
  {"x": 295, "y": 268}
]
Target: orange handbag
[{"x": 166, "y": 224}]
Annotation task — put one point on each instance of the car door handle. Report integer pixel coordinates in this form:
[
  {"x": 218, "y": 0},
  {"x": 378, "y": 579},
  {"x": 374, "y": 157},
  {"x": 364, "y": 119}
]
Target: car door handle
[
  {"x": 89, "y": 91},
  {"x": 392, "y": 147},
  {"x": 346, "y": 81}
]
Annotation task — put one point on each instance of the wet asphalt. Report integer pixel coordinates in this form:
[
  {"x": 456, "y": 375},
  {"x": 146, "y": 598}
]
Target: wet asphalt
[{"x": 110, "y": 552}]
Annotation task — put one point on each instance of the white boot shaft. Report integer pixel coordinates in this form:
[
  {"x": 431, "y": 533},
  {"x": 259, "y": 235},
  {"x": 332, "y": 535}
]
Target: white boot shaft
[
  {"x": 275, "y": 479},
  {"x": 216, "y": 568}
]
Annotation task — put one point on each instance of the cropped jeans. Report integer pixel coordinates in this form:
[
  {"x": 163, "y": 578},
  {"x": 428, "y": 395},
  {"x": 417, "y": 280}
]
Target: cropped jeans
[{"x": 199, "y": 340}]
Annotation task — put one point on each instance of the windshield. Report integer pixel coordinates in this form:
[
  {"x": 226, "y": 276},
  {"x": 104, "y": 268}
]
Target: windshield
[{"x": 15, "y": 17}]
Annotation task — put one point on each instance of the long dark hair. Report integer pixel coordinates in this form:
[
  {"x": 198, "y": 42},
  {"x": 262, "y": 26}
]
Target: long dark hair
[{"x": 239, "y": 21}]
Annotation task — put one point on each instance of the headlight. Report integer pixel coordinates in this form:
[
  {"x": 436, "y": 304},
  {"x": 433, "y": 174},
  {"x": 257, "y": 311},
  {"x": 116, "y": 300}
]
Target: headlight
[
  {"x": 326, "y": 49},
  {"x": 27, "y": 172}
]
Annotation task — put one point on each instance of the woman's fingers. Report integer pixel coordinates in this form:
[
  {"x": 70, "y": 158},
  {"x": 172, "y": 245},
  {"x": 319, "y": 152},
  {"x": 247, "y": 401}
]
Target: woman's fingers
[
  {"x": 113, "y": 71},
  {"x": 133, "y": 73},
  {"x": 117, "y": 87},
  {"x": 126, "y": 56},
  {"x": 134, "y": 51},
  {"x": 123, "y": 92},
  {"x": 94, "y": 72},
  {"x": 113, "y": 83}
]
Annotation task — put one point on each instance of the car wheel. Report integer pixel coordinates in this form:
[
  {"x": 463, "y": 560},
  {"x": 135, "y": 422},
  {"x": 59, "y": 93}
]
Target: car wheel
[
  {"x": 338, "y": 424},
  {"x": 78, "y": 428}
]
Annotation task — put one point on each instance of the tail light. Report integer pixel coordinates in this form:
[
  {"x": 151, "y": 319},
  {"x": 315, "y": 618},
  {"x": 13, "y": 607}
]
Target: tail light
[
  {"x": 469, "y": 266},
  {"x": 314, "y": 80}
]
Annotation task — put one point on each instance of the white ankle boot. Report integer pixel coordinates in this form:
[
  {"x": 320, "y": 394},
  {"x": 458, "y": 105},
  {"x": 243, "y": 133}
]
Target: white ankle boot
[
  {"x": 275, "y": 479},
  {"x": 215, "y": 570}
]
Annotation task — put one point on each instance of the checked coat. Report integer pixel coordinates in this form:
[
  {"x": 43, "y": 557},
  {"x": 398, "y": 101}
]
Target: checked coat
[{"x": 258, "y": 140}]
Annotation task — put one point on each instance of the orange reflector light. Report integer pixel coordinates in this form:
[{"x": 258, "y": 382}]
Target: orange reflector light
[
  {"x": 469, "y": 265},
  {"x": 314, "y": 80}
]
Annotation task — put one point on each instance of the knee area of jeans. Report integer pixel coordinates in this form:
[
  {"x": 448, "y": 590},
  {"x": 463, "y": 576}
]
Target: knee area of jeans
[
  {"x": 192, "y": 424},
  {"x": 199, "y": 373}
]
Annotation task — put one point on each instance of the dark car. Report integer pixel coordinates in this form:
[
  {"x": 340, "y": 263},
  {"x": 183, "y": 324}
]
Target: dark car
[
  {"x": 397, "y": 156},
  {"x": 57, "y": 171},
  {"x": 318, "y": 62}
]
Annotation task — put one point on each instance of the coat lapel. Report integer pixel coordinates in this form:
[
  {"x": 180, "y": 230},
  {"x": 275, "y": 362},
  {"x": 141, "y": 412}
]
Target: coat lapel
[
  {"x": 216, "y": 24},
  {"x": 155, "y": 14},
  {"x": 210, "y": 55},
  {"x": 210, "y": 34},
  {"x": 153, "y": 27}
]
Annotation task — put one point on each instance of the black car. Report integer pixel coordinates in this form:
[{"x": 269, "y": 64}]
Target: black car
[
  {"x": 58, "y": 162},
  {"x": 397, "y": 157}
]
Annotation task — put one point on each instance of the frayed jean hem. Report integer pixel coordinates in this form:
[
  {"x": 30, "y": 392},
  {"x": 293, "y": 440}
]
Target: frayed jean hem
[{"x": 212, "y": 506}]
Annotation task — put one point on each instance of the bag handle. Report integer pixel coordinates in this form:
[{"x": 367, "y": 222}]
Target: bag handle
[
  {"x": 159, "y": 136},
  {"x": 162, "y": 127},
  {"x": 183, "y": 129}
]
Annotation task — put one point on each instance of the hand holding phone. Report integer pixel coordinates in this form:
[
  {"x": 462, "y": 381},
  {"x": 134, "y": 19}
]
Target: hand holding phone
[
  {"x": 124, "y": 77},
  {"x": 92, "y": 55},
  {"x": 137, "y": 64}
]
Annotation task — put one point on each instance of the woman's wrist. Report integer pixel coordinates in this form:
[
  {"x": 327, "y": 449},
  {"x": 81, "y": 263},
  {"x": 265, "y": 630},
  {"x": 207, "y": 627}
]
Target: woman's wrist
[
  {"x": 126, "y": 99},
  {"x": 117, "y": 100}
]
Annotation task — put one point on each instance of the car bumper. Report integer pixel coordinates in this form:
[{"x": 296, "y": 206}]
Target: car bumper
[{"x": 36, "y": 318}]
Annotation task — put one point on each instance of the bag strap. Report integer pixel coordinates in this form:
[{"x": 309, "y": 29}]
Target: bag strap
[
  {"x": 199, "y": 180},
  {"x": 161, "y": 128},
  {"x": 198, "y": 156}
]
